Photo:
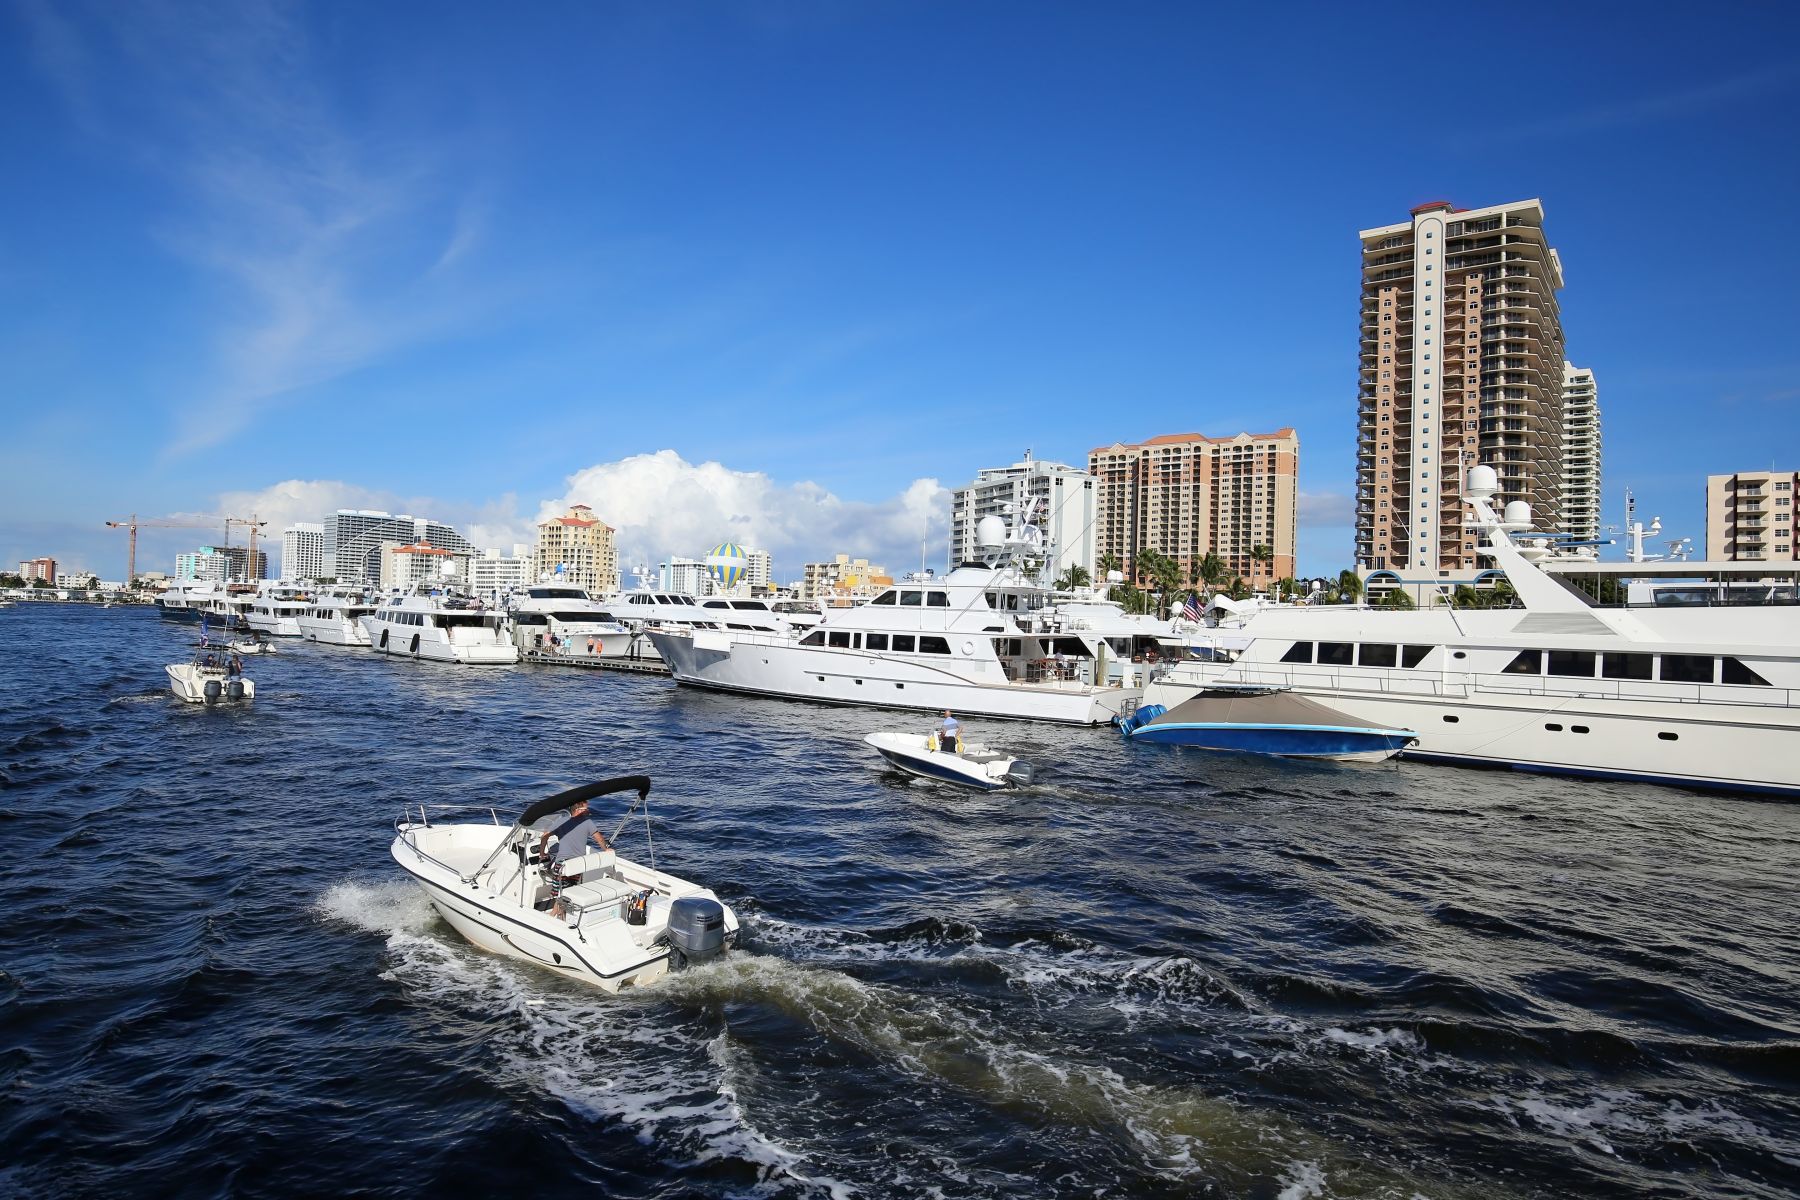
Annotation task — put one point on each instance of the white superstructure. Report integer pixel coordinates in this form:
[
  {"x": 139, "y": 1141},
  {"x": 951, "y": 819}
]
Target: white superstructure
[
  {"x": 1706, "y": 697},
  {"x": 335, "y": 616},
  {"x": 277, "y": 605},
  {"x": 432, "y": 621},
  {"x": 559, "y": 620}
]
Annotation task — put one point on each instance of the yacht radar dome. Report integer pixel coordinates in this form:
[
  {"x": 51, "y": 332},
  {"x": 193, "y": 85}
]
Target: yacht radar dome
[
  {"x": 990, "y": 531},
  {"x": 1518, "y": 515},
  {"x": 1483, "y": 482}
]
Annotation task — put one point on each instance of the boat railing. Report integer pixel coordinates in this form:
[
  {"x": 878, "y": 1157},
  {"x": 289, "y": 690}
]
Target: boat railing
[{"x": 1461, "y": 685}]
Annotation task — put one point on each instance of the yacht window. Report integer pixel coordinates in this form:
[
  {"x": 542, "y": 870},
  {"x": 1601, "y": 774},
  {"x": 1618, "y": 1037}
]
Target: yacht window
[
  {"x": 1299, "y": 652},
  {"x": 751, "y": 605},
  {"x": 912, "y": 599},
  {"x": 687, "y": 600},
  {"x": 937, "y": 600},
  {"x": 884, "y": 598},
  {"x": 1012, "y": 603},
  {"x": 1627, "y": 666},
  {"x": 903, "y": 642},
  {"x": 815, "y": 638},
  {"x": 875, "y": 641},
  {"x": 1687, "y": 668},
  {"x": 933, "y": 645},
  {"x": 1337, "y": 654},
  {"x": 715, "y": 604},
  {"x": 1377, "y": 654},
  {"x": 1526, "y": 662},
  {"x": 992, "y": 598},
  {"x": 1733, "y": 671},
  {"x": 840, "y": 640},
  {"x": 1576, "y": 663}
]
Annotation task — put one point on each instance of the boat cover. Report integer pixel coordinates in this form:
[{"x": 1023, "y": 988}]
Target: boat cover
[{"x": 1256, "y": 708}]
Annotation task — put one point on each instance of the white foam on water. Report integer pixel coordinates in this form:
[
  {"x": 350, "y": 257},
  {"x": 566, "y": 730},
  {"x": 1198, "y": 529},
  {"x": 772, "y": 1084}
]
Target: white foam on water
[
  {"x": 1302, "y": 1181},
  {"x": 1620, "y": 1115},
  {"x": 1377, "y": 1041}
]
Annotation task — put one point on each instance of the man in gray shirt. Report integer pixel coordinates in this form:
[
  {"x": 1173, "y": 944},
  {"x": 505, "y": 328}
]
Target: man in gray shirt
[{"x": 571, "y": 837}]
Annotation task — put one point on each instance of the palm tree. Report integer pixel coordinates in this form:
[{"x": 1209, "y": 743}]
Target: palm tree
[
  {"x": 1211, "y": 570},
  {"x": 1075, "y": 577},
  {"x": 1397, "y": 598},
  {"x": 1350, "y": 584},
  {"x": 1108, "y": 563},
  {"x": 1261, "y": 554}
]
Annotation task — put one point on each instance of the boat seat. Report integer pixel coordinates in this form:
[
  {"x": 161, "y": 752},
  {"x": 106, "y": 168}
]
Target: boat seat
[
  {"x": 602, "y": 892},
  {"x": 593, "y": 860}
]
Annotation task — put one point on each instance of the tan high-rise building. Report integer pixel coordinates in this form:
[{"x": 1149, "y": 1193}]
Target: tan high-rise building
[
  {"x": 582, "y": 546},
  {"x": 1462, "y": 363},
  {"x": 1186, "y": 494},
  {"x": 1750, "y": 516}
]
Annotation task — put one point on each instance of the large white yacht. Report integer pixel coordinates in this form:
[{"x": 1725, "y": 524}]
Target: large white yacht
[
  {"x": 335, "y": 616},
  {"x": 1701, "y": 697},
  {"x": 983, "y": 639},
  {"x": 431, "y": 620},
  {"x": 559, "y": 618},
  {"x": 277, "y": 605},
  {"x": 186, "y": 599}
]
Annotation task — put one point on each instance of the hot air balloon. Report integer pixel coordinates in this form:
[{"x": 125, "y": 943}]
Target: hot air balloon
[{"x": 727, "y": 564}]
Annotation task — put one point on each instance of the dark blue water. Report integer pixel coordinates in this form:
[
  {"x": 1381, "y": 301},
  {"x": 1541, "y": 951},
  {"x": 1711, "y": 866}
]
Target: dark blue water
[{"x": 1158, "y": 974}]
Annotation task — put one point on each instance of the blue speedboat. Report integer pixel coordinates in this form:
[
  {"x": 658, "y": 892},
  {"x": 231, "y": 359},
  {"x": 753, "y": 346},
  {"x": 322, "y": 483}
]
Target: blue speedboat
[{"x": 1265, "y": 721}]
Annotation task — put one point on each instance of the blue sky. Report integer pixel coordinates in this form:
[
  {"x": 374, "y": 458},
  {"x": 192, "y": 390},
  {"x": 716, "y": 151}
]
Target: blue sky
[{"x": 479, "y": 263}]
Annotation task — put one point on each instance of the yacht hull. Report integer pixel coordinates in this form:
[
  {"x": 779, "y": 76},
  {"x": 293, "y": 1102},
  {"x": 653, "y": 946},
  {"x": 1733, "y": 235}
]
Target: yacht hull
[{"x": 333, "y": 633}]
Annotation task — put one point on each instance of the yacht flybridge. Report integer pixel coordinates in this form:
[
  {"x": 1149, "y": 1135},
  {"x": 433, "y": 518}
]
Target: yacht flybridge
[
  {"x": 1702, "y": 697},
  {"x": 984, "y": 639},
  {"x": 624, "y": 924},
  {"x": 432, "y": 620},
  {"x": 335, "y": 616}
]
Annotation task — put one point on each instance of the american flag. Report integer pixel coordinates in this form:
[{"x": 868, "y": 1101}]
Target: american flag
[{"x": 1191, "y": 610}]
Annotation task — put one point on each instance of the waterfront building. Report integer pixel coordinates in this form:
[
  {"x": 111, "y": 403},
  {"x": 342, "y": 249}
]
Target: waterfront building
[
  {"x": 684, "y": 576},
  {"x": 758, "y": 570},
  {"x": 1187, "y": 495},
  {"x": 492, "y": 574},
  {"x": 841, "y": 578},
  {"x": 1750, "y": 516},
  {"x": 222, "y": 564},
  {"x": 1461, "y": 363},
  {"x": 354, "y": 537},
  {"x": 303, "y": 551},
  {"x": 582, "y": 545},
  {"x": 38, "y": 568},
  {"x": 1581, "y": 453},
  {"x": 420, "y": 562},
  {"x": 1058, "y": 498}
]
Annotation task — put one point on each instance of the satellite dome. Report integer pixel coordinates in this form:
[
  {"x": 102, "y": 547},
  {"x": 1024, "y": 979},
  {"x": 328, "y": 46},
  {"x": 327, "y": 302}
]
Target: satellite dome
[
  {"x": 1518, "y": 514},
  {"x": 1483, "y": 481},
  {"x": 727, "y": 564},
  {"x": 990, "y": 531}
]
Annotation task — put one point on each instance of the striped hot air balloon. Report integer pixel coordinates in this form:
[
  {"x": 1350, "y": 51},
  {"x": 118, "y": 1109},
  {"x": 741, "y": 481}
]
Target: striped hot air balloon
[{"x": 727, "y": 564}]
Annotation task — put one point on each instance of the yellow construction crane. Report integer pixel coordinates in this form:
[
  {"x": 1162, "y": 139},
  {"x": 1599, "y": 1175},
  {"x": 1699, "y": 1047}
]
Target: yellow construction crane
[{"x": 132, "y": 524}]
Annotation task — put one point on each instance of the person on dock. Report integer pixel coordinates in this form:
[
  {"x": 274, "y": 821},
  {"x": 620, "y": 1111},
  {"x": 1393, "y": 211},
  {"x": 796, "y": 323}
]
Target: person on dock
[
  {"x": 570, "y": 837},
  {"x": 949, "y": 733}
]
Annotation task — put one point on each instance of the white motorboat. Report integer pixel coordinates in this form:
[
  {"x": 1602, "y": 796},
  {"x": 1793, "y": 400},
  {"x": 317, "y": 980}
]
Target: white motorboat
[
  {"x": 1265, "y": 721},
  {"x": 255, "y": 642},
  {"x": 1700, "y": 697},
  {"x": 560, "y": 621},
  {"x": 186, "y": 599},
  {"x": 625, "y": 924},
  {"x": 437, "y": 622},
  {"x": 213, "y": 676},
  {"x": 965, "y": 764},
  {"x": 277, "y": 606},
  {"x": 335, "y": 616},
  {"x": 984, "y": 639}
]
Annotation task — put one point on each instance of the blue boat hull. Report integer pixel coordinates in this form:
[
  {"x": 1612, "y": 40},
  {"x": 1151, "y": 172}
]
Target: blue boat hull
[{"x": 1289, "y": 741}]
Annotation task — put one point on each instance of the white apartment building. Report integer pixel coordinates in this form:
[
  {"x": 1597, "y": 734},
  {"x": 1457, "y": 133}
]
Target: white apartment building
[
  {"x": 403, "y": 566},
  {"x": 492, "y": 574},
  {"x": 684, "y": 576},
  {"x": 354, "y": 537},
  {"x": 303, "y": 551},
  {"x": 757, "y": 569},
  {"x": 1581, "y": 453},
  {"x": 1059, "y": 498}
]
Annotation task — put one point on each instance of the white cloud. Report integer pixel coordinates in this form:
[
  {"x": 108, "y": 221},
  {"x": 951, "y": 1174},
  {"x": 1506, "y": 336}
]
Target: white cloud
[{"x": 661, "y": 504}]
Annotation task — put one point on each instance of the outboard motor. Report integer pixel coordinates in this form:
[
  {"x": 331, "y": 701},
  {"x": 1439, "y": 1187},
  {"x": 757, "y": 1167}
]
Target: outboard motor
[
  {"x": 235, "y": 689},
  {"x": 696, "y": 930},
  {"x": 1021, "y": 773},
  {"x": 212, "y": 691}
]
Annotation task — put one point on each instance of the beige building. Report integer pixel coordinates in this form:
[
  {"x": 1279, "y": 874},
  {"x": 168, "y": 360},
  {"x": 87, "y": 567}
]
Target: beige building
[
  {"x": 1461, "y": 363},
  {"x": 1186, "y": 494},
  {"x": 1750, "y": 516},
  {"x": 1581, "y": 453},
  {"x": 403, "y": 566},
  {"x": 841, "y": 578},
  {"x": 582, "y": 545}
]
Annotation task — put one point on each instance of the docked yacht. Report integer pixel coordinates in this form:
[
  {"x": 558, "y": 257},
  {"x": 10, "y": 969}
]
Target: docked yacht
[
  {"x": 1700, "y": 697},
  {"x": 186, "y": 599},
  {"x": 433, "y": 621},
  {"x": 277, "y": 605},
  {"x": 558, "y": 618},
  {"x": 983, "y": 639},
  {"x": 335, "y": 616},
  {"x": 625, "y": 924}
]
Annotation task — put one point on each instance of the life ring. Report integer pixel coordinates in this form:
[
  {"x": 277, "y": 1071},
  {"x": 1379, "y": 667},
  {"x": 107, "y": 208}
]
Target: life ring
[{"x": 415, "y": 645}]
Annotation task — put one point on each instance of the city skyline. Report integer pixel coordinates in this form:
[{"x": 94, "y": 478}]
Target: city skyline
[{"x": 789, "y": 279}]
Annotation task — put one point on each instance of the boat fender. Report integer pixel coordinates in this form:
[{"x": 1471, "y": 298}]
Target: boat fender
[
  {"x": 235, "y": 689},
  {"x": 415, "y": 644},
  {"x": 384, "y": 634},
  {"x": 212, "y": 691},
  {"x": 931, "y": 742}
]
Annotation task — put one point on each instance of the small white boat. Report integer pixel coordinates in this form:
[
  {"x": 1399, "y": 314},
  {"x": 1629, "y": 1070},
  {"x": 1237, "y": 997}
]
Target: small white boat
[
  {"x": 625, "y": 924},
  {"x": 255, "y": 643},
  {"x": 215, "y": 675},
  {"x": 973, "y": 765}
]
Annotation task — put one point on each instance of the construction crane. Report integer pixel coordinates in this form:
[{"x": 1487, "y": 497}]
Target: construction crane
[{"x": 132, "y": 524}]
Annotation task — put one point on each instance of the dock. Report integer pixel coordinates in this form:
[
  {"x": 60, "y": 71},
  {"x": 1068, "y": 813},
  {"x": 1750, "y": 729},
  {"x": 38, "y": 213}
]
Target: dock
[{"x": 597, "y": 662}]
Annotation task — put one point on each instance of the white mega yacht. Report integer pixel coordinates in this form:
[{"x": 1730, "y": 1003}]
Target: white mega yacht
[
  {"x": 981, "y": 640},
  {"x": 552, "y": 617},
  {"x": 277, "y": 605},
  {"x": 1700, "y": 697},
  {"x": 335, "y": 616},
  {"x": 186, "y": 599},
  {"x": 433, "y": 621}
]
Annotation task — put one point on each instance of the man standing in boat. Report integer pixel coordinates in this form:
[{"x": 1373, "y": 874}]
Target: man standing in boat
[
  {"x": 949, "y": 732},
  {"x": 571, "y": 836}
]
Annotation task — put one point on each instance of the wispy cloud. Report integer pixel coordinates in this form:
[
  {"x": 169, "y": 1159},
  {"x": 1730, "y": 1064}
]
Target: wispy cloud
[
  {"x": 336, "y": 243},
  {"x": 1666, "y": 106}
]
